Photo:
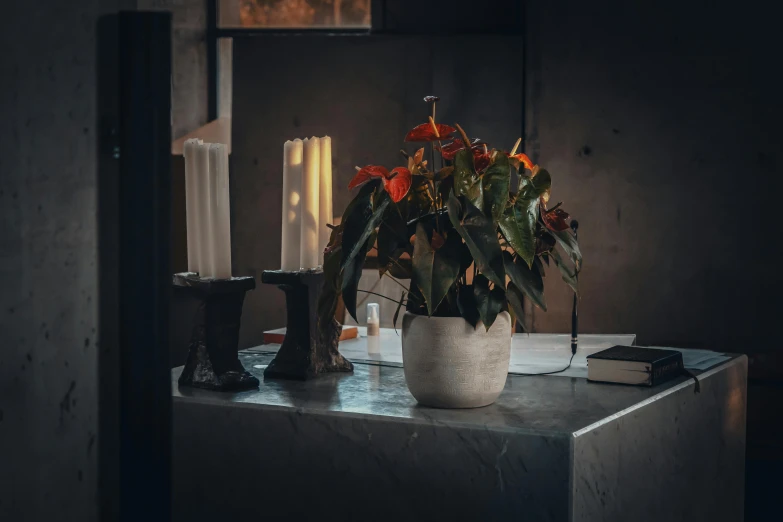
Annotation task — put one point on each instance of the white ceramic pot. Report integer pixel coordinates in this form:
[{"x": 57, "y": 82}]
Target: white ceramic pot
[{"x": 450, "y": 364}]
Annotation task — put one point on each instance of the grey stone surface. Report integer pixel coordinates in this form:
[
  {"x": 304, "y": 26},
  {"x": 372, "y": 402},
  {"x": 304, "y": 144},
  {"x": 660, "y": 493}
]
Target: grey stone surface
[
  {"x": 48, "y": 256},
  {"x": 549, "y": 449},
  {"x": 681, "y": 460}
]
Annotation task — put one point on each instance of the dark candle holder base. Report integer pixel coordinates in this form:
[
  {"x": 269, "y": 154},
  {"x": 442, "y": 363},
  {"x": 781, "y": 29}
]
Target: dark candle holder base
[
  {"x": 212, "y": 361},
  {"x": 307, "y": 350}
]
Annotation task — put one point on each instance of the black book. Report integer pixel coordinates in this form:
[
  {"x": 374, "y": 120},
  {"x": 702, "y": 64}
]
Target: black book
[{"x": 634, "y": 365}]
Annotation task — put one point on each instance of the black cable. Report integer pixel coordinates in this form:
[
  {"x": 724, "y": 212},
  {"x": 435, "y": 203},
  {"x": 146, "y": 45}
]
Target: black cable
[{"x": 548, "y": 373}]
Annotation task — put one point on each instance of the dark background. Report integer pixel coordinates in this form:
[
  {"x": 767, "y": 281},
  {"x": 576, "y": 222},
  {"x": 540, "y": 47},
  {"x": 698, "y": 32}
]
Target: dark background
[{"x": 660, "y": 122}]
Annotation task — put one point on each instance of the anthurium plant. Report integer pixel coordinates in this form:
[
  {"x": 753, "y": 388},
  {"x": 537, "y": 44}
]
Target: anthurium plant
[{"x": 468, "y": 239}]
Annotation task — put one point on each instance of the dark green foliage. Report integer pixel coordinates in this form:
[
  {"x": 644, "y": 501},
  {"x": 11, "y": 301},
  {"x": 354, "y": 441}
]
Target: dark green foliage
[{"x": 470, "y": 245}]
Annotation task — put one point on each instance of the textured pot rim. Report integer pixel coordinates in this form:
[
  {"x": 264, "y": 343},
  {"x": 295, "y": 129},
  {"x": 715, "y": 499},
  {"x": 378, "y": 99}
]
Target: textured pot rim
[{"x": 434, "y": 318}]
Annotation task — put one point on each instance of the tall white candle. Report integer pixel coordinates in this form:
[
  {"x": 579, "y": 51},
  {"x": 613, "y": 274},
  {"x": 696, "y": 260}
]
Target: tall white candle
[
  {"x": 310, "y": 184},
  {"x": 220, "y": 211},
  {"x": 292, "y": 204},
  {"x": 192, "y": 210},
  {"x": 325, "y": 212},
  {"x": 205, "y": 211}
]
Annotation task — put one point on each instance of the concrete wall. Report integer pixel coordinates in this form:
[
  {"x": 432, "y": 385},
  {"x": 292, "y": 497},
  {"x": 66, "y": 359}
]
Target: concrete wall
[
  {"x": 48, "y": 260},
  {"x": 189, "y": 62},
  {"x": 660, "y": 124}
]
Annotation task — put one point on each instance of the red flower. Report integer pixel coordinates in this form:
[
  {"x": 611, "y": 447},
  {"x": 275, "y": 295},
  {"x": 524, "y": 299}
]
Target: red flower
[
  {"x": 426, "y": 132},
  {"x": 397, "y": 182},
  {"x": 480, "y": 158},
  {"x": 522, "y": 159},
  {"x": 555, "y": 219},
  {"x": 451, "y": 149}
]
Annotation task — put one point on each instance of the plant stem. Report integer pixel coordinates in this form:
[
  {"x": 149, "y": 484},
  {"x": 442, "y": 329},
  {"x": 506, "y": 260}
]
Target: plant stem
[
  {"x": 398, "y": 264},
  {"x": 379, "y": 295},
  {"x": 393, "y": 279},
  {"x": 464, "y": 136}
]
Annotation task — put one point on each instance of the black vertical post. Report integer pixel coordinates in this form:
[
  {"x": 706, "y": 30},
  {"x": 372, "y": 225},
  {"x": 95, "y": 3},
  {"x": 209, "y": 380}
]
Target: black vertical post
[
  {"x": 144, "y": 278},
  {"x": 212, "y": 60},
  {"x": 108, "y": 267}
]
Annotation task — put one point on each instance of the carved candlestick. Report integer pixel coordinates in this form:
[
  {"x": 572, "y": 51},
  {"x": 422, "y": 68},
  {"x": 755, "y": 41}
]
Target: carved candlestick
[
  {"x": 308, "y": 349},
  {"x": 212, "y": 361}
]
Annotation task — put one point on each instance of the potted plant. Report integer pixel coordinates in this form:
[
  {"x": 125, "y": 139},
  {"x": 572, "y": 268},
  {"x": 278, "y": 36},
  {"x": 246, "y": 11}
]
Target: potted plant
[{"x": 465, "y": 241}]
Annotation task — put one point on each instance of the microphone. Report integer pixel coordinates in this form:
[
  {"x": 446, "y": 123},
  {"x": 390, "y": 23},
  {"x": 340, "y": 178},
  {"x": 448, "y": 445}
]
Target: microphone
[{"x": 574, "y": 309}]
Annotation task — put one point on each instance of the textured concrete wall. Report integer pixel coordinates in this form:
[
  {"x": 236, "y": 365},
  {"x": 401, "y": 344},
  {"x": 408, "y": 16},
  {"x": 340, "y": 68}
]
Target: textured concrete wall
[
  {"x": 48, "y": 260},
  {"x": 189, "y": 62},
  {"x": 660, "y": 124}
]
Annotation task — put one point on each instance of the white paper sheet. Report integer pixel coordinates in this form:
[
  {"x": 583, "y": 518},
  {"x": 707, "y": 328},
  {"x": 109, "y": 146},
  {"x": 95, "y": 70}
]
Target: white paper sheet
[{"x": 530, "y": 353}]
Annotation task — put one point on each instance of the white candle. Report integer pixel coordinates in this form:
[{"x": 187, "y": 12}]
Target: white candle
[
  {"x": 191, "y": 205},
  {"x": 311, "y": 159},
  {"x": 220, "y": 211},
  {"x": 325, "y": 212},
  {"x": 204, "y": 216},
  {"x": 292, "y": 201}
]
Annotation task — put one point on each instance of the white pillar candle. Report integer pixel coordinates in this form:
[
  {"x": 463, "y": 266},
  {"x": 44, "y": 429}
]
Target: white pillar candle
[
  {"x": 325, "y": 213},
  {"x": 311, "y": 159},
  {"x": 205, "y": 211},
  {"x": 220, "y": 211},
  {"x": 292, "y": 204},
  {"x": 192, "y": 210}
]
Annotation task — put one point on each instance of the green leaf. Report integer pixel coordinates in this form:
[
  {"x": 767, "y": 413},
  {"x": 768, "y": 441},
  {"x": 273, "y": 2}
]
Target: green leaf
[
  {"x": 480, "y": 235},
  {"x": 360, "y": 220},
  {"x": 434, "y": 271},
  {"x": 541, "y": 183},
  {"x": 466, "y": 302},
  {"x": 397, "y": 312},
  {"x": 514, "y": 297},
  {"x": 568, "y": 276},
  {"x": 518, "y": 223},
  {"x": 495, "y": 184},
  {"x": 525, "y": 279},
  {"x": 415, "y": 303},
  {"x": 327, "y": 300},
  {"x": 418, "y": 201},
  {"x": 352, "y": 272},
  {"x": 445, "y": 187},
  {"x": 489, "y": 302},
  {"x": 466, "y": 180},
  {"x": 540, "y": 266},
  {"x": 392, "y": 238},
  {"x": 568, "y": 242}
]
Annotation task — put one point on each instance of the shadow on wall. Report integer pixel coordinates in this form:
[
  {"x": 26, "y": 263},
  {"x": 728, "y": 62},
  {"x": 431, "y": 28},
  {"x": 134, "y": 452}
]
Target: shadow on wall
[{"x": 663, "y": 133}]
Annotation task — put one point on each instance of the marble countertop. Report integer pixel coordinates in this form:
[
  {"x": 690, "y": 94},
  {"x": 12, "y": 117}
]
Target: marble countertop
[{"x": 529, "y": 404}]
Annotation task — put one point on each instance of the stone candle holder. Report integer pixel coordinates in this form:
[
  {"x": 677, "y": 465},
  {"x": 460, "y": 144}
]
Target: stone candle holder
[
  {"x": 308, "y": 349},
  {"x": 213, "y": 362}
]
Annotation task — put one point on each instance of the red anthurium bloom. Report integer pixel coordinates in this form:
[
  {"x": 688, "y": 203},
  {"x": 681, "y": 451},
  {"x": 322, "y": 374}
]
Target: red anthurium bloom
[
  {"x": 366, "y": 174},
  {"x": 451, "y": 149},
  {"x": 481, "y": 160},
  {"x": 555, "y": 219},
  {"x": 425, "y": 132},
  {"x": 397, "y": 182},
  {"x": 523, "y": 160}
]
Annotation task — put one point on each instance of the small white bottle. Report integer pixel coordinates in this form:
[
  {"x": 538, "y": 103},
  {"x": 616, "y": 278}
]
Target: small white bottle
[{"x": 373, "y": 320}]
